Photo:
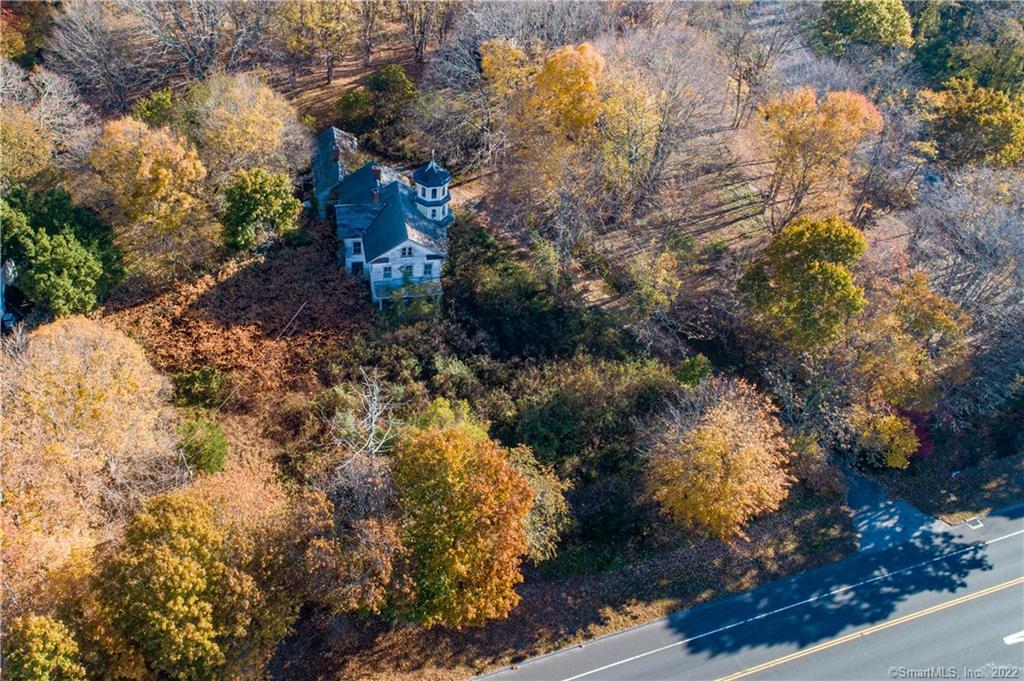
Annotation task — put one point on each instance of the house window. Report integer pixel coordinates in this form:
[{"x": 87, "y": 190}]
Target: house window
[
  {"x": 387, "y": 273},
  {"x": 406, "y": 270},
  {"x": 433, "y": 213},
  {"x": 357, "y": 248},
  {"x": 423, "y": 192},
  {"x": 433, "y": 193},
  {"x": 428, "y": 269},
  {"x": 406, "y": 251}
]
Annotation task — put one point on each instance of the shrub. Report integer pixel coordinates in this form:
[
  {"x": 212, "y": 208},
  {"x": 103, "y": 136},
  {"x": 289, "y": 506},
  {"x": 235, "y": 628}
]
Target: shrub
[
  {"x": 682, "y": 244},
  {"x": 355, "y": 111},
  {"x": 886, "y": 439},
  {"x": 203, "y": 443},
  {"x": 495, "y": 292},
  {"x": 40, "y": 648},
  {"x": 157, "y": 109},
  {"x": 693, "y": 370},
  {"x": 580, "y": 415},
  {"x": 203, "y": 387}
]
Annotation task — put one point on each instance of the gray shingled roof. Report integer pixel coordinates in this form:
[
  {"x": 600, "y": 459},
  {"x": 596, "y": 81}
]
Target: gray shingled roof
[
  {"x": 328, "y": 171},
  {"x": 390, "y": 222},
  {"x": 431, "y": 175}
]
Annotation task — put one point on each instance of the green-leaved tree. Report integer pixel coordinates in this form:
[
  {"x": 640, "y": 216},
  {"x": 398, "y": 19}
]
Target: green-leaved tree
[{"x": 802, "y": 289}]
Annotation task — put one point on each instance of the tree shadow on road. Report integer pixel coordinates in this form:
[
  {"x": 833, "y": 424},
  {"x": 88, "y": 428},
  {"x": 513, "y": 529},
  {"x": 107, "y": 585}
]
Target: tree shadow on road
[{"x": 823, "y": 603}]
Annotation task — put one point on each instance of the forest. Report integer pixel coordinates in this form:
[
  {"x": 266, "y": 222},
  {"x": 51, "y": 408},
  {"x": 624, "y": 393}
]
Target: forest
[{"x": 710, "y": 259}]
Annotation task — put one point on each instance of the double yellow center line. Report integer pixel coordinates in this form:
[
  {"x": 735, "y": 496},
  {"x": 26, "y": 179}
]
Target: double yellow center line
[{"x": 871, "y": 630}]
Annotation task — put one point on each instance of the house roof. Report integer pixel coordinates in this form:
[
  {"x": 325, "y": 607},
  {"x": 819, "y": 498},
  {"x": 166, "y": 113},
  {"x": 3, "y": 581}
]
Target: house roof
[
  {"x": 328, "y": 170},
  {"x": 431, "y": 175},
  {"x": 390, "y": 222}
]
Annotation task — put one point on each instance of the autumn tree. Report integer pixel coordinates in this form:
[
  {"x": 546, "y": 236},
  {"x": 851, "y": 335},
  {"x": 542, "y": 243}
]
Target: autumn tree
[
  {"x": 148, "y": 185},
  {"x": 38, "y": 647},
  {"x": 912, "y": 347},
  {"x": 967, "y": 234},
  {"x": 258, "y": 202},
  {"x": 87, "y": 439},
  {"x": 317, "y": 30},
  {"x": 718, "y": 458},
  {"x": 885, "y": 438},
  {"x": 975, "y": 125},
  {"x": 175, "y": 592},
  {"x": 807, "y": 144},
  {"x": 878, "y": 22},
  {"x": 802, "y": 289},
  {"x": 28, "y": 147},
  {"x": 237, "y": 122},
  {"x": 463, "y": 510},
  {"x": 549, "y": 516},
  {"x": 23, "y": 29}
]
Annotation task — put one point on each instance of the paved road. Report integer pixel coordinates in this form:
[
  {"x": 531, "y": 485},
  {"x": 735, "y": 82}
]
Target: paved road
[{"x": 943, "y": 601}]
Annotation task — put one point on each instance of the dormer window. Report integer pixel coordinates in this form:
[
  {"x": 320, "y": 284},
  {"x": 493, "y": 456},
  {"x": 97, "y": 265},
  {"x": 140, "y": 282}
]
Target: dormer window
[
  {"x": 406, "y": 251},
  {"x": 357, "y": 248}
]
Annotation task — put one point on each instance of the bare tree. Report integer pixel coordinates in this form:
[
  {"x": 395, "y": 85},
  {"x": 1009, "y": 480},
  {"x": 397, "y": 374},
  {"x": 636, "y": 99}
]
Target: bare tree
[
  {"x": 369, "y": 425},
  {"x": 418, "y": 19},
  {"x": 751, "y": 54},
  {"x": 48, "y": 97},
  {"x": 195, "y": 36},
  {"x": 968, "y": 235},
  {"x": 372, "y": 16},
  {"x": 104, "y": 53}
]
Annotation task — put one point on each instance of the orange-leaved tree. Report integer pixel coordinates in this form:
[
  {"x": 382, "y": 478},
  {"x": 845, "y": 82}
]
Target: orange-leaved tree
[
  {"x": 808, "y": 144},
  {"x": 718, "y": 458},
  {"x": 463, "y": 521},
  {"x": 87, "y": 438}
]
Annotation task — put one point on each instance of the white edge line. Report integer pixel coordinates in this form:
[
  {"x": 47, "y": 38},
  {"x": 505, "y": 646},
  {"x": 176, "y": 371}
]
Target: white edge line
[{"x": 776, "y": 611}]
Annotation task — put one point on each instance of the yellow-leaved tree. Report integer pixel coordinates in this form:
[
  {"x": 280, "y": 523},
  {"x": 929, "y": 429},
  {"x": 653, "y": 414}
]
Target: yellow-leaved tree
[
  {"x": 718, "y": 458},
  {"x": 463, "y": 508},
  {"x": 88, "y": 436},
  {"x": 566, "y": 89},
  {"x": 912, "y": 347},
  {"x": 237, "y": 121},
  {"x": 27, "y": 147},
  {"x": 149, "y": 186},
  {"x": 808, "y": 144}
]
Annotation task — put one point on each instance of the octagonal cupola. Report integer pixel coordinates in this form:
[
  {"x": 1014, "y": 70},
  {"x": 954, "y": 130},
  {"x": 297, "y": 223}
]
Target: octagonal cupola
[{"x": 432, "y": 195}]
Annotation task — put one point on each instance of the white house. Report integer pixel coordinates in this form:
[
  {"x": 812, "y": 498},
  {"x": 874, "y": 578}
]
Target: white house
[{"x": 390, "y": 232}]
